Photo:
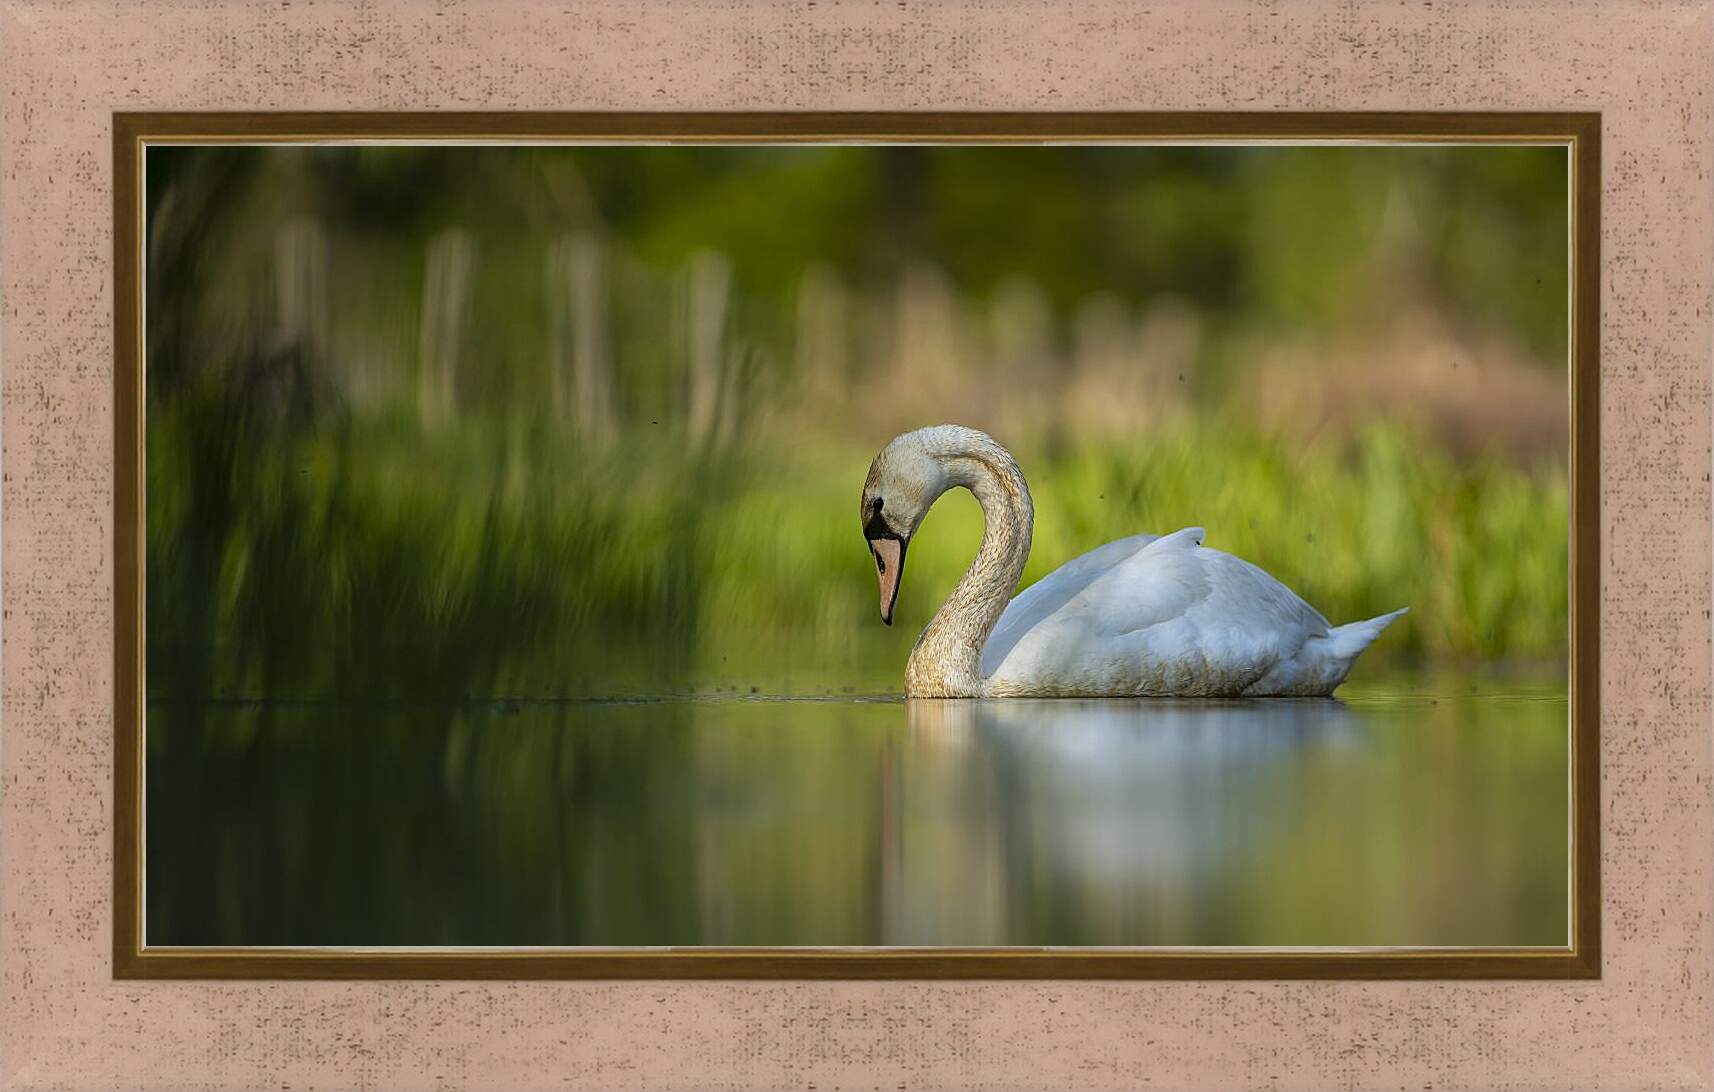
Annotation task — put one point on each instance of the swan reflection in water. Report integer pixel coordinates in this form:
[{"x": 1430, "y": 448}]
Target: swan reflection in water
[
  {"x": 1426, "y": 819},
  {"x": 1103, "y": 818}
]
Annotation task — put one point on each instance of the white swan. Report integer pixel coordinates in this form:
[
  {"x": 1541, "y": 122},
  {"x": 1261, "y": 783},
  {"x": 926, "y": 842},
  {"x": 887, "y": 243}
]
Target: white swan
[{"x": 1146, "y": 615}]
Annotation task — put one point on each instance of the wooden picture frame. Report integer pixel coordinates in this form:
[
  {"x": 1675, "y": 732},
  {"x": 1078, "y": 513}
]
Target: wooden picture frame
[
  {"x": 68, "y": 1019},
  {"x": 1579, "y": 132}
]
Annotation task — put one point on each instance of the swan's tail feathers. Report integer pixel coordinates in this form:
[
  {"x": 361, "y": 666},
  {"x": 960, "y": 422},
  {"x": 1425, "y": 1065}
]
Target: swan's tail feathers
[{"x": 1346, "y": 641}]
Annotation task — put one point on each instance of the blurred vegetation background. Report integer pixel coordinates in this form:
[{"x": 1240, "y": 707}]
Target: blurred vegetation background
[{"x": 471, "y": 422}]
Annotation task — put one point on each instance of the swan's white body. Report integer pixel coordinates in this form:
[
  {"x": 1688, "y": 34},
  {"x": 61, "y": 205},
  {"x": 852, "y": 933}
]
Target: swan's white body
[
  {"x": 1143, "y": 616},
  {"x": 1150, "y": 615}
]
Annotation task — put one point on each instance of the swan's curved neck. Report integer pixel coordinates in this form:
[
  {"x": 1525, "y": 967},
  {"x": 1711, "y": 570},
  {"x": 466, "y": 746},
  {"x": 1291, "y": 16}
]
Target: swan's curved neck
[{"x": 947, "y": 660}]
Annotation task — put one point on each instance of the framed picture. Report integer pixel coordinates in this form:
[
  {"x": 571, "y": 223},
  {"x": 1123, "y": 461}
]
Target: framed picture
[
  {"x": 490, "y": 601},
  {"x": 422, "y": 425}
]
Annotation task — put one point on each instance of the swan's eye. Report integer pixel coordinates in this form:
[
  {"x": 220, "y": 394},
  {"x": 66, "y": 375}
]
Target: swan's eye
[{"x": 875, "y": 507}]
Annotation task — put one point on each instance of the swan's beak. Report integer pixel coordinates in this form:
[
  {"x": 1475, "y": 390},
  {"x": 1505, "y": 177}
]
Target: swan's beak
[{"x": 889, "y": 567}]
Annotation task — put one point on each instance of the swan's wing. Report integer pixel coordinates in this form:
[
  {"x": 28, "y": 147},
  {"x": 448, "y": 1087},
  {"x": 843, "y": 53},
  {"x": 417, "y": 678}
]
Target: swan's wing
[
  {"x": 1246, "y": 595},
  {"x": 1165, "y": 580},
  {"x": 1172, "y": 607},
  {"x": 1053, "y": 591}
]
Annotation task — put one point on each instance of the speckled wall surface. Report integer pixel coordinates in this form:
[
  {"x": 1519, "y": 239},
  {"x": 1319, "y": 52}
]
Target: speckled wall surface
[{"x": 66, "y": 66}]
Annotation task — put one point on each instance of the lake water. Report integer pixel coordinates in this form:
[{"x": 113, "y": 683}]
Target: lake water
[{"x": 1412, "y": 811}]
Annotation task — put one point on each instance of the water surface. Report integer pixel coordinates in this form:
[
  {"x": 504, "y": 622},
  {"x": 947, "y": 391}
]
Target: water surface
[{"x": 1414, "y": 812}]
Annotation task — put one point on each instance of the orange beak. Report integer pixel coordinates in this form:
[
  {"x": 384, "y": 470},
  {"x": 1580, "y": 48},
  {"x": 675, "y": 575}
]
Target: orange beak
[{"x": 889, "y": 567}]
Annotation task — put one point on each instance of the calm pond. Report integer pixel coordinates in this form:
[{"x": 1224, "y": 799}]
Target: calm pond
[{"x": 1412, "y": 811}]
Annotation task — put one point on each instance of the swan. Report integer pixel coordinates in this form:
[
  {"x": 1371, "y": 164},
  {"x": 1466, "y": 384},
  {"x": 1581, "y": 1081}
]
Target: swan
[{"x": 1148, "y": 615}]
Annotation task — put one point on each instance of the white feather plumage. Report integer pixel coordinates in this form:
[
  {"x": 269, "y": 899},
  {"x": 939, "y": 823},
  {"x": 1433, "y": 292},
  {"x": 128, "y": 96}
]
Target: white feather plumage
[{"x": 1141, "y": 616}]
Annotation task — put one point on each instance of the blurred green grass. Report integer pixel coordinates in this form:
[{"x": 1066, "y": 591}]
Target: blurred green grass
[
  {"x": 447, "y": 423},
  {"x": 506, "y": 560}
]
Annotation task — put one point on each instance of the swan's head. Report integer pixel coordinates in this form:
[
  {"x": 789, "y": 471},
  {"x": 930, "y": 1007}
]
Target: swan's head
[{"x": 905, "y": 478}]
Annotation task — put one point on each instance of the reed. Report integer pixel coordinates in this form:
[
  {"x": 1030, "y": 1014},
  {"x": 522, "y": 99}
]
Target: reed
[
  {"x": 381, "y": 560},
  {"x": 562, "y": 430}
]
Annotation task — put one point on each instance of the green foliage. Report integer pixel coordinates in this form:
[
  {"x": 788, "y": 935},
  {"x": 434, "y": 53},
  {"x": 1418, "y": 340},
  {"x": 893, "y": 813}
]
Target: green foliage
[
  {"x": 373, "y": 469},
  {"x": 1281, "y": 239},
  {"x": 370, "y": 559}
]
